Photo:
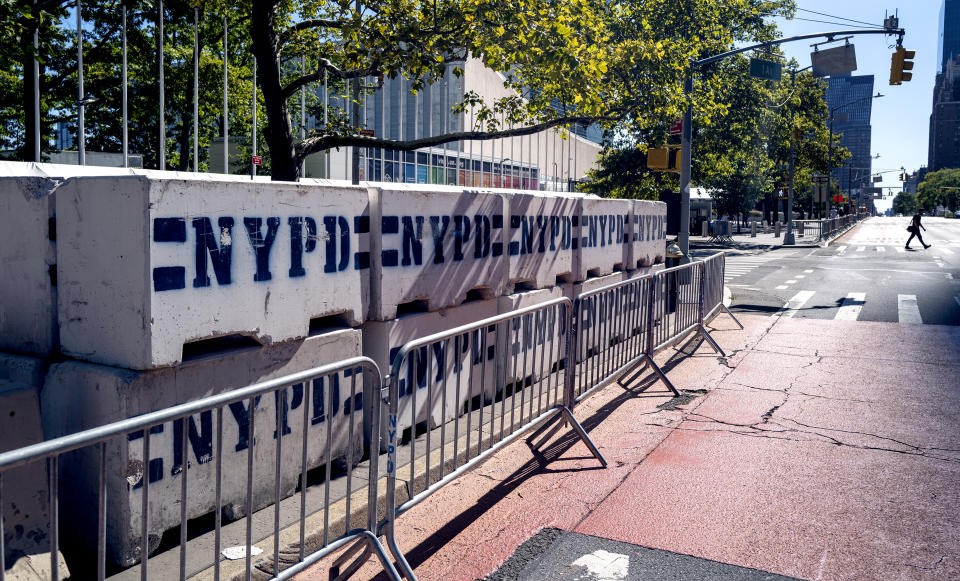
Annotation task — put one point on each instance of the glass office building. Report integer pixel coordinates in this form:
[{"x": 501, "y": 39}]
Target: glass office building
[{"x": 849, "y": 97}]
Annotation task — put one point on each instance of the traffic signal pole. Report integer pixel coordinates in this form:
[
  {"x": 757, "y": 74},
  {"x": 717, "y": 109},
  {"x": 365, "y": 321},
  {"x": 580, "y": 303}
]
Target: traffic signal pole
[{"x": 687, "y": 138}]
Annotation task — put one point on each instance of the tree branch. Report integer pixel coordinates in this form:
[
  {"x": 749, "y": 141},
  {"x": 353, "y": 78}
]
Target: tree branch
[
  {"x": 371, "y": 71},
  {"x": 303, "y": 25},
  {"x": 322, "y": 143}
]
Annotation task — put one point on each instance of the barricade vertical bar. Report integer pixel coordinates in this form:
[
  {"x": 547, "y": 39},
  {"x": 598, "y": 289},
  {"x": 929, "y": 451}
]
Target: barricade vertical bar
[
  {"x": 525, "y": 323},
  {"x": 279, "y": 399},
  {"x": 542, "y": 377},
  {"x": 101, "y": 515},
  {"x": 351, "y": 454},
  {"x": 413, "y": 386},
  {"x": 145, "y": 499},
  {"x": 430, "y": 399},
  {"x": 515, "y": 347},
  {"x": 219, "y": 495},
  {"x": 55, "y": 517},
  {"x": 458, "y": 366},
  {"x": 251, "y": 418},
  {"x": 473, "y": 345},
  {"x": 307, "y": 393},
  {"x": 328, "y": 419},
  {"x": 183, "y": 498}
]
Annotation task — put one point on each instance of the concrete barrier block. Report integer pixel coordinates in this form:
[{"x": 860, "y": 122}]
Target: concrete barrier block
[
  {"x": 536, "y": 342},
  {"x": 26, "y": 517},
  {"x": 540, "y": 233},
  {"x": 604, "y": 237},
  {"x": 437, "y": 248},
  {"x": 23, "y": 370},
  {"x": 147, "y": 264},
  {"x": 382, "y": 341},
  {"x": 648, "y": 230},
  {"x": 79, "y": 396}
]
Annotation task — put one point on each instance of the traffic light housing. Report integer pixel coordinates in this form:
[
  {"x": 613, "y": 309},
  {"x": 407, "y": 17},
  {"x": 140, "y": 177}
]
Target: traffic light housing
[
  {"x": 666, "y": 158},
  {"x": 900, "y": 63}
]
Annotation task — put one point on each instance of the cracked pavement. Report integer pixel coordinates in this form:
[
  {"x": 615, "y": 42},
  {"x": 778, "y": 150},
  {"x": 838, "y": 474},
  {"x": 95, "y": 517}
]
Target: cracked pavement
[{"x": 816, "y": 449}]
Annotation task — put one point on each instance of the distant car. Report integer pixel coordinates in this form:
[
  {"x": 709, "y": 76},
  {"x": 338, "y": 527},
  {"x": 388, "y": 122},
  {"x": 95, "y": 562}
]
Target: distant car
[{"x": 956, "y": 214}]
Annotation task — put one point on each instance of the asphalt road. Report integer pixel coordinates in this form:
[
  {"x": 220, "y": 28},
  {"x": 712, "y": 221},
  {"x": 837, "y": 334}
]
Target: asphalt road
[{"x": 865, "y": 275}]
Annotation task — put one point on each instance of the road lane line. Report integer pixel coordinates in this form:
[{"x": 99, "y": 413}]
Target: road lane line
[
  {"x": 901, "y": 250},
  {"x": 946, "y": 250},
  {"x": 851, "y": 307},
  {"x": 799, "y": 276},
  {"x": 808, "y": 271},
  {"x": 782, "y": 287},
  {"x": 841, "y": 249},
  {"x": 907, "y": 310},
  {"x": 881, "y": 249},
  {"x": 797, "y": 303},
  {"x": 861, "y": 248},
  {"x": 792, "y": 281}
]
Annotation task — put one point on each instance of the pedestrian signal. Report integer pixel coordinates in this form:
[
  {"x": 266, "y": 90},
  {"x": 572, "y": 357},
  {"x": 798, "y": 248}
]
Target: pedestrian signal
[{"x": 666, "y": 158}]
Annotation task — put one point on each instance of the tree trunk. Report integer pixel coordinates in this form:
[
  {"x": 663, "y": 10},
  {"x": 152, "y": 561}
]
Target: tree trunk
[{"x": 279, "y": 136}]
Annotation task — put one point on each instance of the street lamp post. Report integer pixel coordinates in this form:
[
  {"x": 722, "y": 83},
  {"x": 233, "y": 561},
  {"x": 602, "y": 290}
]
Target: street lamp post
[{"x": 788, "y": 238}]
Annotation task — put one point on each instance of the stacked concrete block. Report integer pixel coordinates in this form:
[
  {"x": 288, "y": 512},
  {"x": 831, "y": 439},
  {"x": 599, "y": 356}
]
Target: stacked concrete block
[
  {"x": 604, "y": 236},
  {"x": 80, "y": 395},
  {"x": 146, "y": 265},
  {"x": 648, "y": 234},
  {"x": 26, "y": 517},
  {"x": 541, "y": 240},
  {"x": 445, "y": 368},
  {"x": 535, "y": 344},
  {"x": 434, "y": 248}
]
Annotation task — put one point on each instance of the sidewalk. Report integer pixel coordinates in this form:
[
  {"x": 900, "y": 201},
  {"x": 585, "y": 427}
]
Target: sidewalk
[
  {"x": 819, "y": 449},
  {"x": 763, "y": 241}
]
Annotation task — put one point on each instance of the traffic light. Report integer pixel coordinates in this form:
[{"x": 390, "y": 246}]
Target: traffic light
[
  {"x": 900, "y": 63},
  {"x": 666, "y": 158}
]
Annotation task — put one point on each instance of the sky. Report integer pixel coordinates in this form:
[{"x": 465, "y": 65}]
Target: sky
[{"x": 901, "y": 118}]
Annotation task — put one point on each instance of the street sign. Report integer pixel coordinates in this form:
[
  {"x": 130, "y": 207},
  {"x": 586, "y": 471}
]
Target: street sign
[
  {"x": 677, "y": 127},
  {"x": 257, "y": 160},
  {"x": 873, "y": 190},
  {"x": 769, "y": 70},
  {"x": 877, "y": 179},
  {"x": 819, "y": 179},
  {"x": 834, "y": 61},
  {"x": 367, "y": 133}
]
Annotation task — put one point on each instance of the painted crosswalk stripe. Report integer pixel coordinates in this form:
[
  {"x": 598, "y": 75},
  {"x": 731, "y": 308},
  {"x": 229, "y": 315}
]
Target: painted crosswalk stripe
[
  {"x": 861, "y": 248},
  {"x": 806, "y": 271},
  {"x": 907, "y": 310},
  {"x": 903, "y": 250},
  {"x": 851, "y": 307},
  {"x": 946, "y": 251},
  {"x": 841, "y": 249},
  {"x": 881, "y": 249},
  {"x": 797, "y": 302}
]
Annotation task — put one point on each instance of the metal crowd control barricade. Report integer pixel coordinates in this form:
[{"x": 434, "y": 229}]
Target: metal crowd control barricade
[
  {"x": 92, "y": 446},
  {"x": 456, "y": 397},
  {"x": 610, "y": 334},
  {"x": 714, "y": 271}
]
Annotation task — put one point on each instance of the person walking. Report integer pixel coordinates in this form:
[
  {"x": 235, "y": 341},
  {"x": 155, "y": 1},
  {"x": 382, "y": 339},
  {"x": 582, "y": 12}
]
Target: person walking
[{"x": 914, "y": 229}]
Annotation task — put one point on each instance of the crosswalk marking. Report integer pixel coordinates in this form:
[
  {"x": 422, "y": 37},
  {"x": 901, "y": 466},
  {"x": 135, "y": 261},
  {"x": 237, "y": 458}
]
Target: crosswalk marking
[
  {"x": 797, "y": 302},
  {"x": 841, "y": 249},
  {"x": 861, "y": 248},
  {"x": 881, "y": 249},
  {"x": 851, "y": 307},
  {"x": 946, "y": 251},
  {"x": 901, "y": 250},
  {"x": 782, "y": 287},
  {"x": 740, "y": 266},
  {"x": 907, "y": 310}
]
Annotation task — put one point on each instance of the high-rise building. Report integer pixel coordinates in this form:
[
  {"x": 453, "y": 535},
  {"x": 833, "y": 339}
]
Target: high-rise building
[
  {"x": 944, "y": 146},
  {"x": 849, "y": 97},
  {"x": 948, "y": 44}
]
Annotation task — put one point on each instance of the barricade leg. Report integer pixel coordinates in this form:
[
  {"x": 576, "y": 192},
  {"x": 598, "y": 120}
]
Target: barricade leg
[
  {"x": 583, "y": 436},
  {"x": 727, "y": 311},
  {"x": 660, "y": 373},
  {"x": 370, "y": 544},
  {"x": 563, "y": 413},
  {"x": 713, "y": 344}
]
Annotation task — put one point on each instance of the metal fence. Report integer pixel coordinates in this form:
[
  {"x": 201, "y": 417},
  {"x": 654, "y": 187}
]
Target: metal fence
[
  {"x": 451, "y": 400},
  {"x": 98, "y": 460},
  {"x": 527, "y": 355}
]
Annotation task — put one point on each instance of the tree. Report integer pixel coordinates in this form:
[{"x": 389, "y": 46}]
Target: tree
[
  {"x": 940, "y": 188},
  {"x": 905, "y": 203}
]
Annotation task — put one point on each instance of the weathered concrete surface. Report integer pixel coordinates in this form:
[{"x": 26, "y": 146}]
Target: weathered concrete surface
[
  {"x": 540, "y": 239},
  {"x": 146, "y": 264},
  {"x": 79, "y": 396},
  {"x": 816, "y": 449},
  {"x": 604, "y": 237}
]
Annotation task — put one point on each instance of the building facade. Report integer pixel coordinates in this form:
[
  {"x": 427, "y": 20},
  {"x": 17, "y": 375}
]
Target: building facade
[
  {"x": 542, "y": 161},
  {"x": 849, "y": 97},
  {"x": 944, "y": 147}
]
